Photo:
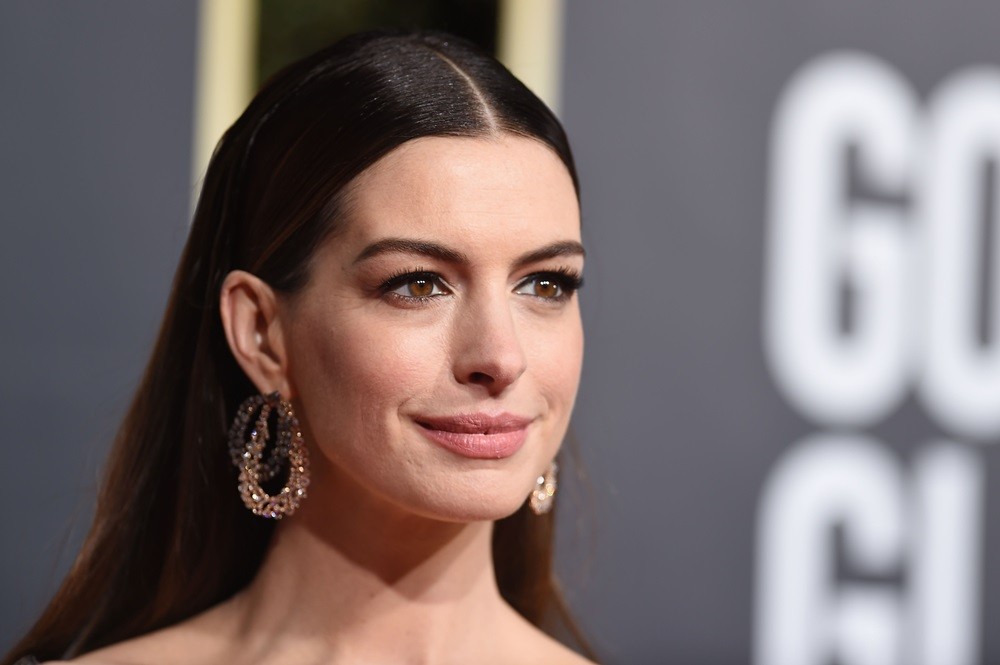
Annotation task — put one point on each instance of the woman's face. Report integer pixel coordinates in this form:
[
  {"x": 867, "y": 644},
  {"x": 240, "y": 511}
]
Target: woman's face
[{"x": 435, "y": 353}]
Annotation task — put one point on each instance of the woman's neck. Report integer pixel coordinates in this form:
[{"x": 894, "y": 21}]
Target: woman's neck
[{"x": 352, "y": 578}]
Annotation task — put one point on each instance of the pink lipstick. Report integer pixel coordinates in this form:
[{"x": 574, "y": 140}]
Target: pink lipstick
[{"x": 477, "y": 435}]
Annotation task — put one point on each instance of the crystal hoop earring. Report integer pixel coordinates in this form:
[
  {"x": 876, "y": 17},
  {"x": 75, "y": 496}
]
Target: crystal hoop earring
[
  {"x": 543, "y": 494},
  {"x": 248, "y": 456}
]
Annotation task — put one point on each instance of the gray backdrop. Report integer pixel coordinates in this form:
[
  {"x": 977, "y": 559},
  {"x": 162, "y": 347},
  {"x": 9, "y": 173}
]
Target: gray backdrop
[
  {"x": 791, "y": 310},
  {"x": 788, "y": 411},
  {"x": 95, "y": 136}
]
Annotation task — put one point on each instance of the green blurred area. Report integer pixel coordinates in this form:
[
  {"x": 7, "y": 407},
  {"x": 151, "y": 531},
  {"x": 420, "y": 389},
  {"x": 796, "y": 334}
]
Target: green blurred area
[{"x": 291, "y": 29}]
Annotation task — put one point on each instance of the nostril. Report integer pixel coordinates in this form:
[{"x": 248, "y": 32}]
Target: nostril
[{"x": 481, "y": 378}]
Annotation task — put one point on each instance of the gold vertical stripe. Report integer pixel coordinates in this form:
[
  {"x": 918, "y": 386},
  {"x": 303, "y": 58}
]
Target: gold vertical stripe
[
  {"x": 530, "y": 40},
  {"x": 224, "y": 76}
]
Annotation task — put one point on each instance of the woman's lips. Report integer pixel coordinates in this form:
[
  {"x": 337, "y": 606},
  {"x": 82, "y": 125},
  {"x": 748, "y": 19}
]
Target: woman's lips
[{"x": 477, "y": 435}]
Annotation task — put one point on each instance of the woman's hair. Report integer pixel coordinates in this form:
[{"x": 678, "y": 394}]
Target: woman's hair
[{"x": 171, "y": 537}]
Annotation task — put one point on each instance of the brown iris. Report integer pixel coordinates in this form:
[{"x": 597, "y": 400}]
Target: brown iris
[
  {"x": 546, "y": 288},
  {"x": 421, "y": 288}
]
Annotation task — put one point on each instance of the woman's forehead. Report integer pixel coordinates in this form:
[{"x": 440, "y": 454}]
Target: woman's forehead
[{"x": 465, "y": 188}]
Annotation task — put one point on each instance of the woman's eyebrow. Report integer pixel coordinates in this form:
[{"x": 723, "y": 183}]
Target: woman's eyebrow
[
  {"x": 438, "y": 251},
  {"x": 409, "y": 246},
  {"x": 561, "y": 248}
]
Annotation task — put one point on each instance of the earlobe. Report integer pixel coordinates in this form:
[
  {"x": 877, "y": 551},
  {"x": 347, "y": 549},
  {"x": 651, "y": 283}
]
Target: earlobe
[{"x": 250, "y": 318}]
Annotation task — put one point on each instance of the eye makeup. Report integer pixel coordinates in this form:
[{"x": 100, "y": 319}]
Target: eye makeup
[
  {"x": 557, "y": 285},
  {"x": 419, "y": 286},
  {"x": 413, "y": 286}
]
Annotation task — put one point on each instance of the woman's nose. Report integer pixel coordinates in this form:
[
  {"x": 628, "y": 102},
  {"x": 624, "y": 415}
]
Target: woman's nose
[{"x": 488, "y": 350}]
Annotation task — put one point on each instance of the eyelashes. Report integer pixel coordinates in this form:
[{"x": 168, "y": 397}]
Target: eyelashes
[
  {"x": 417, "y": 287},
  {"x": 556, "y": 285}
]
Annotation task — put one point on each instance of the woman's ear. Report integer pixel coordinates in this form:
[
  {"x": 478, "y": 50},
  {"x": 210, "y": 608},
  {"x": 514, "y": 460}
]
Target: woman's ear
[{"x": 249, "y": 310}]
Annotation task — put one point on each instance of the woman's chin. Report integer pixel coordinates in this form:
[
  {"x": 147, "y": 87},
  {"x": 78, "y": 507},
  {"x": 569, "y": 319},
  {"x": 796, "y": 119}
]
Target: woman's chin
[{"x": 470, "y": 504}]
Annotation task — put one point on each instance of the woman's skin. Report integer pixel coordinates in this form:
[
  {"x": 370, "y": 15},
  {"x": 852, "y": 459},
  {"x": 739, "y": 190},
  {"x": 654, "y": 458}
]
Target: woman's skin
[{"x": 389, "y": 559}]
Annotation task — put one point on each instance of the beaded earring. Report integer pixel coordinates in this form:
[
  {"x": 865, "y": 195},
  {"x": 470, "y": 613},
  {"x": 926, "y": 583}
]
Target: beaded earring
[
  {"x": 248, "y": 456},
  {"x": 543, "y": 495}
]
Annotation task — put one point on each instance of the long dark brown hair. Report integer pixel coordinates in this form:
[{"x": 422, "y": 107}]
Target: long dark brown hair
[{"x": 170, "y": 537}]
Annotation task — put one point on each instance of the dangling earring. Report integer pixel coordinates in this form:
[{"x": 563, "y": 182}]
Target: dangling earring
[
  {"x": 543, "y": 495},
  {"x": 248, "y": 456}
]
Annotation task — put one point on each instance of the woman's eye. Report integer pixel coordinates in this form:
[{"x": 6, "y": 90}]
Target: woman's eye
[
  {"x": 550, "y": 286},
  {"x": 416, "y": 286}
]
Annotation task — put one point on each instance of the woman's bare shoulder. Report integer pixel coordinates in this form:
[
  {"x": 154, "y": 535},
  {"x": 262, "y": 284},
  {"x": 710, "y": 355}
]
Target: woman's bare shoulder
[
  {"x": 141, "y": 651},
  {"x": 558, "y": 654},
  {"x": 88, "y": 659},
  {"x": 529, "y": 644},
  {"x": 568, "y": 657},
  {"x": 203, "y": 639},
  {"x": 191, "y": 641},
  {"x": 147, "y": 650}
]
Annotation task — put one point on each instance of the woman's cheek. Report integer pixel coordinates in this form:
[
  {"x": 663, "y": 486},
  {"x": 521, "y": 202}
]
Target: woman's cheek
[
  {"x": 557, "y": 354},
  {"x": 386, "y": 365}
]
